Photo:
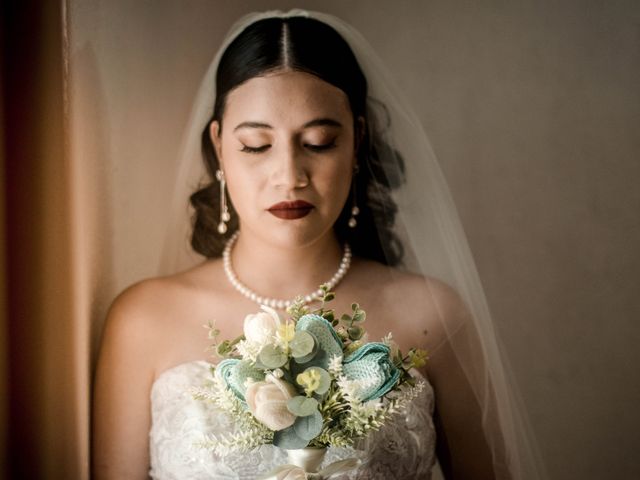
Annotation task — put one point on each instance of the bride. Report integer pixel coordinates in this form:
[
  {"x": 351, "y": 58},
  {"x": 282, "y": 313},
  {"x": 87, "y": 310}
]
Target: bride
[{"x": 316, "y": 172}]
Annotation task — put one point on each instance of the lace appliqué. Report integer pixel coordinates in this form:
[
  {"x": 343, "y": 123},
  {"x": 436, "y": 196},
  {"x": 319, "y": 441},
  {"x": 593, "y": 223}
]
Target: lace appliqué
[{"x": 403, "y": 449}]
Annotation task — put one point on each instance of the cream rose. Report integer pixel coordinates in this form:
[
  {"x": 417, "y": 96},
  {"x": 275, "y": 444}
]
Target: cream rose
[
  {"x": 261, "y": 327},
  {"x": 268, "y": 402}
]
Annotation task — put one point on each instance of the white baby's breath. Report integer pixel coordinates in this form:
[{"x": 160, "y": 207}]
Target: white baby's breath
[
  {"x": 249, "y": 432},
  {"x": 352, "y": 389},
  {"x": 335, "y": 366},
  {"x": 391, "y": 343},
  {"x": 220, "y": 395},
  {"x": 242, "y": 440},
  {"x": 248, "y": 350}
]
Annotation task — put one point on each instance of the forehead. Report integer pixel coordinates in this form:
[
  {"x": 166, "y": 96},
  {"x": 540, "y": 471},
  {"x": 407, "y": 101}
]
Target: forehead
[{"x": 286, "y": 99}]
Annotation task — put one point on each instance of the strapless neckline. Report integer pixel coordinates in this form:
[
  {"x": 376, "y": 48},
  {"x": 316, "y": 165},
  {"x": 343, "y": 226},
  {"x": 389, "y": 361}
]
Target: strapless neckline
[
  {"x": 403, "y": 449},
  {"x": 178, "y": 367}
]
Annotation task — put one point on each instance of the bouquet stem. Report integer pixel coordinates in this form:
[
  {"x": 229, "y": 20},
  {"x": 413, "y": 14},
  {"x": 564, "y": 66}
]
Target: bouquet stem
[{"x": 309, "y": 459}]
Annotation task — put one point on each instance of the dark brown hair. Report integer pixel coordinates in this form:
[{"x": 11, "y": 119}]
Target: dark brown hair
[{"x": 308, "y": 45}]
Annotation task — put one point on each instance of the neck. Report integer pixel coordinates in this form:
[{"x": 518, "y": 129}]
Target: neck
[{"x": 284, "y": 272}]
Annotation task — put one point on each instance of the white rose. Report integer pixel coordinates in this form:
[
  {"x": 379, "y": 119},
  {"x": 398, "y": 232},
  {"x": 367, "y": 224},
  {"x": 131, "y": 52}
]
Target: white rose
[
  {"x": 268, "y": 402},
  {"x": 259, "y": 327}
]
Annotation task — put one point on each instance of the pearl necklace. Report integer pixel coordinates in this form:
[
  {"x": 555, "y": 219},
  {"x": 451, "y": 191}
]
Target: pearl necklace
[{"x": 345, "y": 263}]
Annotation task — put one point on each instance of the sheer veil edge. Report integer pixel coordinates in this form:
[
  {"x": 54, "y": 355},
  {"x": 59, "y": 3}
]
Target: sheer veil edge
[{"x": 428, "y": 223}]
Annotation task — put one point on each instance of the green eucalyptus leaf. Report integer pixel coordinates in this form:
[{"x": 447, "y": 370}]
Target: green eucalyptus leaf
[
  {"x": 306, "y": 358},
  {"x": 329, "y": 316},
  {"x": 355, "y": 306},
  {"x": 302, "y": 406},
  {"x": 224, "y": 348},
  {"x": 302, "y": 344},
  {"x": 345, "y": 318},
  {"x": 360, "y": 316},
  {"x": 355, "y": 332},
  {"x": 312, "y": 354},
  {"x": 272, "y": 356},
  {"x": 308, "y": 427},
  {"x": 289, "y": 439},
  {"x": 259, "y": 365}
]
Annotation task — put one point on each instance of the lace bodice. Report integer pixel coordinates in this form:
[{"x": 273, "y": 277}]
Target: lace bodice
[{"x": 403, "y": 449}]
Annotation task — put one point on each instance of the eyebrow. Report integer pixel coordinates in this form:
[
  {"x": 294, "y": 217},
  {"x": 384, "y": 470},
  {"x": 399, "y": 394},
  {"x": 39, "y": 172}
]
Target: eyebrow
[
  {"x": 252, "y": 125},
  {"x": 322, "y": 122},
  {"x": 318, "y": 122}
]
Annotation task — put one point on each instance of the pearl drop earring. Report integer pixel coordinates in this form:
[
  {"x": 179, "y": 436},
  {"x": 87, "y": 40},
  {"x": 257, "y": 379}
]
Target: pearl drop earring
[
  {"x": 225, "y": 216},
  {"x": 354, "y": 208}
]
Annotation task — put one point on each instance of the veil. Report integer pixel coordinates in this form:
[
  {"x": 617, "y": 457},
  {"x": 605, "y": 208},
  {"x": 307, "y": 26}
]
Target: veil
[{"x": 427, "y": 223}]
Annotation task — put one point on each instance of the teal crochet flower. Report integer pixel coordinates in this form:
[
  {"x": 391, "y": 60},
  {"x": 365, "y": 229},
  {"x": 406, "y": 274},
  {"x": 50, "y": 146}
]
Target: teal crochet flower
[
  {"x": 329, "y": 344},
  {"x": 372, "y": 362},
  {"x": 235, "y": 374}
]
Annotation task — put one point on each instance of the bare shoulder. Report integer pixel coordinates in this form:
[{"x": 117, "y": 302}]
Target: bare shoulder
[
  {"x": 155, "y": 317},
  {"x": 154, "y": 299},
  {"x": 409, "y": 287},
  {"x": 142, "y": 306},
  {"x": 424, "y": 303},
  {"x": 145, "y": 297}
]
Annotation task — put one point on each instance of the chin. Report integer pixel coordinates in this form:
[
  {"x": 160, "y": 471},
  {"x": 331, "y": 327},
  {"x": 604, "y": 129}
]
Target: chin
[
  {"x": 295, "y": 236},
  {"x": 298, "y": 238}
]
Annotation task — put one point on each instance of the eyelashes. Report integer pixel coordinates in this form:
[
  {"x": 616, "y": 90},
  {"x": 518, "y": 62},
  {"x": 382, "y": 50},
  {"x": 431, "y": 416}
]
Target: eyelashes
[
  {"x": 248, "y": 149},
  {"x": 314, "y": 148},
  {"x": 322, "y": 147}
]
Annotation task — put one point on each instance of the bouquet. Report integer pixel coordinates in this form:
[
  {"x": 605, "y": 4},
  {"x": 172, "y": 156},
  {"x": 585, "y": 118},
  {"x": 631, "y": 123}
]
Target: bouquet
[{"x": 309, "y": 380}]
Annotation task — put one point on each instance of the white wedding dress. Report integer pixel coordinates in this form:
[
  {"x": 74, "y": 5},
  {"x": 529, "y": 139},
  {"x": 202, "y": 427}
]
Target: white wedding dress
[{"x": 403, "y": 449}]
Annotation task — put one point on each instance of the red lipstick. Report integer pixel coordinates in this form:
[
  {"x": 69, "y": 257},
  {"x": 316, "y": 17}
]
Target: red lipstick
[{"x": 291, "y": 210}]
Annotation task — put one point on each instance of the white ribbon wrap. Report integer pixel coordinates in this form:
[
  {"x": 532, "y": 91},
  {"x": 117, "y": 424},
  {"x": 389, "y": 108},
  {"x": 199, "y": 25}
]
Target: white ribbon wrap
[{"x": 293, "y": 472}]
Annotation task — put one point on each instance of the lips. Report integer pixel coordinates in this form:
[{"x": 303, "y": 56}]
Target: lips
[{"x": 291, "y": 210}]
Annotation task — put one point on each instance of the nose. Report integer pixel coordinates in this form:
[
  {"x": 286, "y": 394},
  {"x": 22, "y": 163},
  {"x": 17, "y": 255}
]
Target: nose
[{"x": 290, "y": 171}]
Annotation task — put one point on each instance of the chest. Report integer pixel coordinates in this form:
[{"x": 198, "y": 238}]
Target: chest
[{"x": 385, "y": 314}]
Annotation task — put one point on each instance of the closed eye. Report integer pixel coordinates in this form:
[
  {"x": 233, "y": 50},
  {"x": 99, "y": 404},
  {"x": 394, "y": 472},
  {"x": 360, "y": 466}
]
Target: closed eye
[
  {"x": 248, "y": 149},
  {"x": 320, "y": 148}
]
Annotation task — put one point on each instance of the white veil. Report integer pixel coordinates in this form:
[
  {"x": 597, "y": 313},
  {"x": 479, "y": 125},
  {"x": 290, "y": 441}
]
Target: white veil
[{"x": 430, "y": 229}]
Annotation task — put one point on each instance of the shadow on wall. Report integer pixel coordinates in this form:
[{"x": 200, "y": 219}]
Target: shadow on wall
[{"x": 91, "y": 154}]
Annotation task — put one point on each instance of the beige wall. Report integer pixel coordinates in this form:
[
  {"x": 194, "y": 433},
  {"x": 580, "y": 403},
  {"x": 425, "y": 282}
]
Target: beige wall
[{"x": 533, "y": 110}]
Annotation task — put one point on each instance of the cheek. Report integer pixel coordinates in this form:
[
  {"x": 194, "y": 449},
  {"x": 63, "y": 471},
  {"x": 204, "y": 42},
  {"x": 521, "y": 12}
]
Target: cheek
[
  {"x": 346, "y": 164},
  {"x": 334, "y": 180},
  {"x": 239, "y": 189},
  {"x": 239, "y": 176}
]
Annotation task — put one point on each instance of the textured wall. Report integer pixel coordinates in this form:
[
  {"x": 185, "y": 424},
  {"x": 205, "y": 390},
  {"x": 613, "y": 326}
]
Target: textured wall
[{"x": 532, "y": 109}]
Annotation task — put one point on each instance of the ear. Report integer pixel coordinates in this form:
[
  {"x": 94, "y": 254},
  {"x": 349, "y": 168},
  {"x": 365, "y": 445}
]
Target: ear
[{"x": 215, "y": 135}]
